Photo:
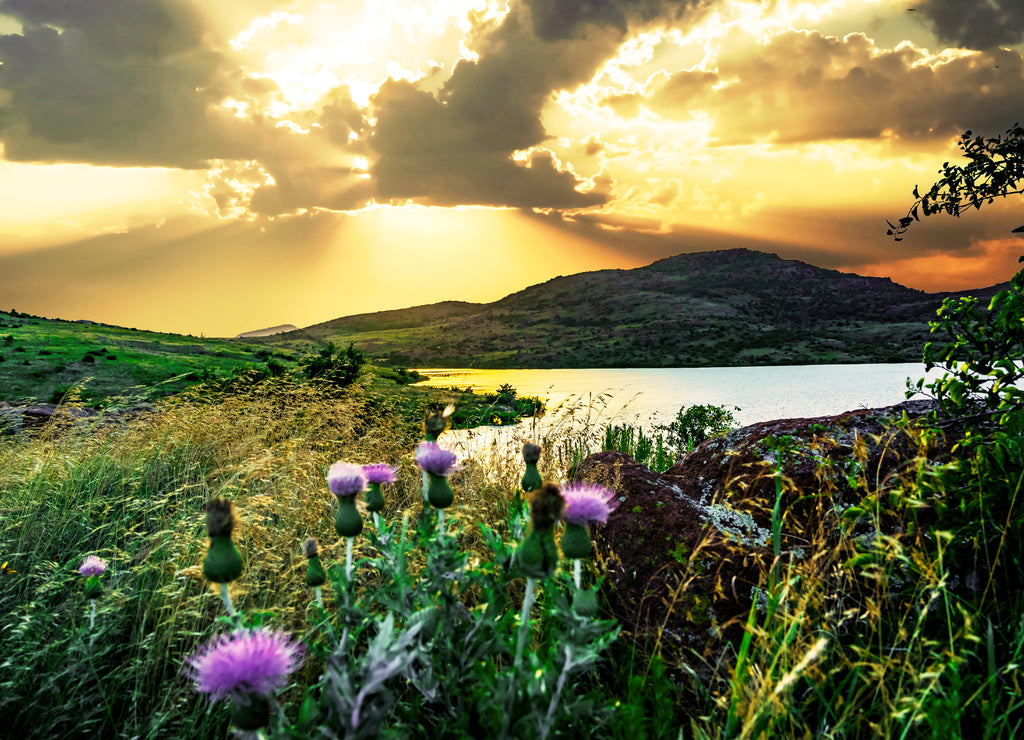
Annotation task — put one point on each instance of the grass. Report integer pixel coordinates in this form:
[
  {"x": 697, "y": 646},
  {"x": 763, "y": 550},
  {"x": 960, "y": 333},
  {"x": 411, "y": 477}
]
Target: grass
[
  {"x": 874, "y": 634},
  {"x": 41, "y": 359}
]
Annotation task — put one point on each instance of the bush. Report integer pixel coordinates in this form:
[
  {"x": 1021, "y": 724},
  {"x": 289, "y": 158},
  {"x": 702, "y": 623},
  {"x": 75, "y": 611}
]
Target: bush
[
  {"x": 332, "y": 365},
  {"x": 696, "y": 424}
]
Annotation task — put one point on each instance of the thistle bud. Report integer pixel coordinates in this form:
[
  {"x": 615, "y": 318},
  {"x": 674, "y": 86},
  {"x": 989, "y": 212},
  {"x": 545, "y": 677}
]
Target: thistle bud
[
  {"x": 439, "y": 493},
  {"x": 223, "y": 562},
  {"x": 376, "y": 474},
  {"x": 584, "y": 602},
  {"x": 348, "y": 522},
  {"x": 537, "y": 556},
  {"x": 576, "y": 541},
  {"x": 531, "y": 478},
  {"x": 315, "y": 573},
  {"x": 436, "y": 423}
]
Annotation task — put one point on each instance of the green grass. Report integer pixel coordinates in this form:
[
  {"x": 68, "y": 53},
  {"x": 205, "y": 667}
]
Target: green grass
[
  {"x": 40, "y": 359},
  {"x": 892, "y": 647}
]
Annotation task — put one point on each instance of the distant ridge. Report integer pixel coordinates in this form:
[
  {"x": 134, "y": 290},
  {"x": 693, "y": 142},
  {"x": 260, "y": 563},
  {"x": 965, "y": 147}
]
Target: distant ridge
[
  {"x": 720, "y": 308},
  {"x": 270, "y": 331}
]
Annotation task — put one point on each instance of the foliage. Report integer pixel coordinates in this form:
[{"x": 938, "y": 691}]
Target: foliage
[
  {"x": 429, "y": 652},
  {"x": 995, "y": 169},
  {"x": 982, "y": 355},
  {"x": 505, "y": 406},
  {"x": 696, "y": 424},
  {"x": 651, "y": 452},
  {"x": 333, "y": 365},
  {"x": 692, "y": 426}
]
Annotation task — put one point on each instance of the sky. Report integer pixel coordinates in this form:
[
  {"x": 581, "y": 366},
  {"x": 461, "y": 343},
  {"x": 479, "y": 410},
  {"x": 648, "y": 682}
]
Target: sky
[{"x": 214, "y": 168}]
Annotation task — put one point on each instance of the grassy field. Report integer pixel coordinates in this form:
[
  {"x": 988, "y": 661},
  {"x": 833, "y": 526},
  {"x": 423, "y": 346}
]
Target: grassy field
[
  {"x": 53, "y": 361},
  {"x": 41, "y": 359},
  {"x": 884, "y": 647}
]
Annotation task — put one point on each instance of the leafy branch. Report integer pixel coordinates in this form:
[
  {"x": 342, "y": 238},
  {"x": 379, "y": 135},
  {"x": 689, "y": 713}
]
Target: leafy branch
[{"x": 995, "y": 169}]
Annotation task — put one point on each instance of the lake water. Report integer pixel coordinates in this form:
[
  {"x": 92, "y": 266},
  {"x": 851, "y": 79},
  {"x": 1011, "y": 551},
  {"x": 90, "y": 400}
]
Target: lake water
[{"x": 652, "y": 396}]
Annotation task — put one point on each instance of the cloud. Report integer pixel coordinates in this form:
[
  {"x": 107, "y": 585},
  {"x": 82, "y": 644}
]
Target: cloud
[
  {"x": 457, "y": 146},
  {"x": 975, "y": 24},
  {"x": 803, "y": 86},
  {"x": 564, "y": 19},
  {"x": 119, "y": 82}
]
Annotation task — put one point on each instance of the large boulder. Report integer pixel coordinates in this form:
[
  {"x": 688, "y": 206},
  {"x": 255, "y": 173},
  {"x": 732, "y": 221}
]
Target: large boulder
[{"x": 688, "y": 550}]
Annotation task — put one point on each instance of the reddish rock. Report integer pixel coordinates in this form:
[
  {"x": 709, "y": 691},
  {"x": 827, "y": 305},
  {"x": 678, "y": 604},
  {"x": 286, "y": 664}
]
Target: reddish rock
[{"x": 687, "y": 550}]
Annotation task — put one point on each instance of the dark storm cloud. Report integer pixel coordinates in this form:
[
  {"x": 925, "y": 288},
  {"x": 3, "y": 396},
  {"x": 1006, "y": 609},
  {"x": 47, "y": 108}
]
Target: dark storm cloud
[
  {"x": 563, "y": 19},
  {"x": 301, "y": 164},
  {"x": 456, "y": 147},
  {"x": 122, "y": 82},
  {"x": 975, "y": 24},
  {"x": 306, "y": 186},
  {"x": 808, "y": 87}
]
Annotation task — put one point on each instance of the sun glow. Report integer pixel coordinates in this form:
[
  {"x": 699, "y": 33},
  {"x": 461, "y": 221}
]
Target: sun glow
[{"x": 315, "y": 47}]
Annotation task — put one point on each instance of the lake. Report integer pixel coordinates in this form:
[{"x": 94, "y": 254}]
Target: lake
[{"x": 652, "y": 396}]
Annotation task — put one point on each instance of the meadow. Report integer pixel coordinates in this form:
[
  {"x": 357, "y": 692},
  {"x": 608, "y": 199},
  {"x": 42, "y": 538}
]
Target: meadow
[{"x": 905, "y": 619}]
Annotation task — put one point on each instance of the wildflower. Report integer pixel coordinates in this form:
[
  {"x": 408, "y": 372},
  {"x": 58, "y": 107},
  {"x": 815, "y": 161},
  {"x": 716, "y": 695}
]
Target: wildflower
[
  {"x": 434, "y": 459},
  {"x": 247, "y": 666},
  {"x": 537, "y": 556},
  {"x": 438, "y": 464},
  {"x": 223, "y": 562},
  {"x": 531, "y": 478},
  {"x": 345, "y": 482},
  {"x": 315, "y": 574},
  {"x": 377, "y": 474},
  {"x": 585, "y": 504},
  {"x": 92, "y": 567}
]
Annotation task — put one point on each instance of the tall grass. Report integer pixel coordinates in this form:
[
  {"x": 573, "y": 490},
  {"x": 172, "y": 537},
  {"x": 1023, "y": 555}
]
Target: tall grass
[{"x": 883, "y": 629}]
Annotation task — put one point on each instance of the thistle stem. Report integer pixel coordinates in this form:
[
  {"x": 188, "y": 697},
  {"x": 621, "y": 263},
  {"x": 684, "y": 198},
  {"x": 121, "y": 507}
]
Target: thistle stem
[
  {"x": 92, "y": 614},
  {"x": 348, "y": 557},
  {"x": 559, "y": 685},
  {"x": 227, "y": 599},
  {"x": 577, "y": 573},
  {"x": 524, "y": 626},
  {"x": 440, "y": 521},
  {"x": 426, "y": 484},
  {"x": 319, "y": 597}
]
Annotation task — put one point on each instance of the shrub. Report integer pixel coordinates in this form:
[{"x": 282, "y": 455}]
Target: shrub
[
  {"x": 696, "y": 424},
  {"x": 331, "y": 365}
]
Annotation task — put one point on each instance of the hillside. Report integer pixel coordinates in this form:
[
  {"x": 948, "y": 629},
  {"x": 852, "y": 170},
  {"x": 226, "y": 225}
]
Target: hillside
[
  {"x": 722, "y": 308},
  {"x": 41, "y": 359}
]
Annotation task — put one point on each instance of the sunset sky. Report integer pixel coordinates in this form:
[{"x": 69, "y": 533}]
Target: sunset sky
[{"x": 216, "y": 167}]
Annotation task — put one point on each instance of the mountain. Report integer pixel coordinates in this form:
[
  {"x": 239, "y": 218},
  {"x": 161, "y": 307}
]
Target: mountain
[
  {"x": 269, "y": 331},
  {"x": 721, "y": 308}
]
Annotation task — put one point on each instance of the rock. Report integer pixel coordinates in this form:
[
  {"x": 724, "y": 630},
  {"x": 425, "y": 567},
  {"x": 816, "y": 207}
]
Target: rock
[{"x": 688, "y": 550}]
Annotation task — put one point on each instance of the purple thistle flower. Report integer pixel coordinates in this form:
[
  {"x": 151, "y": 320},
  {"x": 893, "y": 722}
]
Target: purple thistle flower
[
  {"x": 434, "y": 459},
  {"x": 588, "y": 503},
  {"x": 244, "y": 663},
  {"x": 379, "y": 473},
  {"x": 92, "y": 566},
  {"x": 345, "y": 479}
]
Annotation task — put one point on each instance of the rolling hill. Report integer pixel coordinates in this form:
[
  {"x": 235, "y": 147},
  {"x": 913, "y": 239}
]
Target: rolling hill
[{"x": 721, "y": 308}]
